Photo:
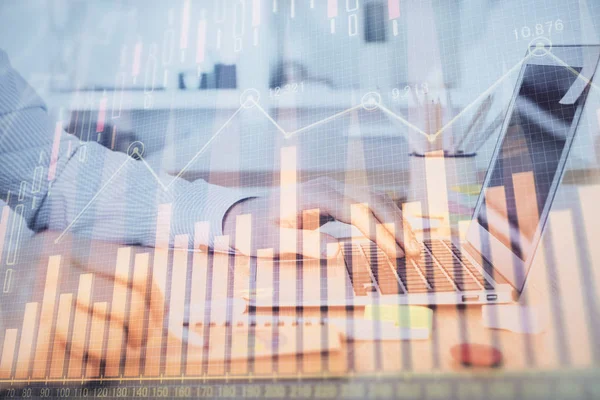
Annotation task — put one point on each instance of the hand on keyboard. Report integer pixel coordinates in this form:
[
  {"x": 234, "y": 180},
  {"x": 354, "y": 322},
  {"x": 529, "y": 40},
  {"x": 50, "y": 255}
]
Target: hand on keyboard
[{"x": 275, "y": 220}]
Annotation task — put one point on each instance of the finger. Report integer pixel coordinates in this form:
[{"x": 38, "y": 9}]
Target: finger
[
  {"x": 109, "y": 287},
  {"x": 116, "y": 313},
  {"x": 137, "y": 320},
  {"x": 313, "y": 244},
  {"x": 327, "y": 245},
  {"x": 101, "y": 349},
  {"x": 156, "y": 304},
  {"x": 131, "y": 318},
  {"x": 77, "y": 347},
  {"x": 101, "y": 270},
  {"x": 92, "y": 363},
  {"x": 365, "y": 220},
  {"x": 386, "y": 211},
  {"x": 383, "y": 229},
  {"x": 139, "y": 302},
  {"x": 362, "y": 218}
]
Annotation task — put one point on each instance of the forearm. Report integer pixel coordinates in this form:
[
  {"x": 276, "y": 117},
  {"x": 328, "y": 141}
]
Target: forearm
[
  {"x": 110, "y": 196},
  {"x": 63, "y": 184}
]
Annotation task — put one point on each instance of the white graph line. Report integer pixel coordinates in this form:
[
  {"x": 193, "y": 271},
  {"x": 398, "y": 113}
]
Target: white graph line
[
  {"x": 213, "y": 137},
  {"x": 92, "y": 200},
  {"x": 482, "y": 95},
  {"x": 392, "y": 114},
  {"x": 151, "y": 170},
  {"x": 323, "y": 121},
  {"x": 288, "y": 135},
  {"x": 292, "y": 133},
  {"x": 577, "y": 74},
  {"x": 403, "y": 120},
  {"x": 266, "y": 114},
  {"x": 154, "y": 174}
]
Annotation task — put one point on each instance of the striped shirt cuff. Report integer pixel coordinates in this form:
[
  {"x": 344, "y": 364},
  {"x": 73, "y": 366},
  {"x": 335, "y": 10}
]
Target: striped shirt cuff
[{"x": 204, "y": 202}]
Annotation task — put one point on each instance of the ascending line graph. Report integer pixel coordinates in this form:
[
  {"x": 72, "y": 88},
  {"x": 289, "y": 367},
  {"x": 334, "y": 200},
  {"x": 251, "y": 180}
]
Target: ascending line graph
[{"x": 370, "y": 101}]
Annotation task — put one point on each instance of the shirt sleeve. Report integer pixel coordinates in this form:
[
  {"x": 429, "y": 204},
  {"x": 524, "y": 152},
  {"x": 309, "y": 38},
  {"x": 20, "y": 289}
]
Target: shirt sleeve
[{"x": 58, "y": 182}]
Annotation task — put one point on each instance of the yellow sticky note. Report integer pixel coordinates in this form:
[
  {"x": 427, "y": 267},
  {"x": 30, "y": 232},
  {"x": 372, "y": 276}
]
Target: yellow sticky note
[
  {"x": 472, "y": 190},
  {"x": 404, "y": 316}
]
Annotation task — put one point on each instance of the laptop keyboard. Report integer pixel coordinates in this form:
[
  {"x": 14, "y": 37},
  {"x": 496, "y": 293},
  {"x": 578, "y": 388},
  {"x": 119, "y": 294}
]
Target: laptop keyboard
[{"x": 440, "y": 268}]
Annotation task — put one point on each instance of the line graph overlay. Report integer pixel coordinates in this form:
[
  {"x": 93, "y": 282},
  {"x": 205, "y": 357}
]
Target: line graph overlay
[
  {"x": 574, "y": 71},
  {"x": 154, "y": 174},
  {"x": 482, "y": 95},
  {"x": 213, "y": 137},
  {"x": 403, "y": 120},
  {"x": 308, "y": 127},
  {"x": 251, "y": 102}
]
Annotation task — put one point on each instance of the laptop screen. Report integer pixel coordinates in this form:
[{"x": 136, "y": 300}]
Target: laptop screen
[{"x": 529, "y": 158}]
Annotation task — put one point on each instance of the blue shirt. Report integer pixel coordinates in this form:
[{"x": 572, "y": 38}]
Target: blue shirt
[{"x": 60, "y": 182}]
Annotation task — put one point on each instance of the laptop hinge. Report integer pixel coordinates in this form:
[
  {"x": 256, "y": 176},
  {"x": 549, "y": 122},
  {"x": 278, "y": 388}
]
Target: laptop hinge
[{"x": 487, "y": 266}]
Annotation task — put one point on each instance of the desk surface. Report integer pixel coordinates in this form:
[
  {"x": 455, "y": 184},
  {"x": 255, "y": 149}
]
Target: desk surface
[
  {"x": 560, "y": 291},
  {"x": 562, "y": 286}
]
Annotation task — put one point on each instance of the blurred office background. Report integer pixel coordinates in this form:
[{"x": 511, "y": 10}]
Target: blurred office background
[{"x": 169, "y": 85}]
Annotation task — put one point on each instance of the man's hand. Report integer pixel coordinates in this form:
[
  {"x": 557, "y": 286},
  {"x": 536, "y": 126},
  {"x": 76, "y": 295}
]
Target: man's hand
[
  {"x": 274, "y": 220},
  {"x": 129, "y": 321}
]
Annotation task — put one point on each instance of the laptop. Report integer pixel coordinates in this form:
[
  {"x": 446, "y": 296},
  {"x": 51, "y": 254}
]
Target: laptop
[{"x": 491, "y": 265}]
